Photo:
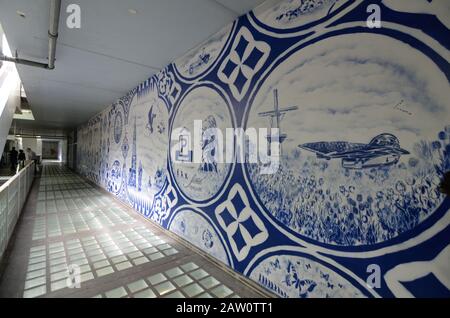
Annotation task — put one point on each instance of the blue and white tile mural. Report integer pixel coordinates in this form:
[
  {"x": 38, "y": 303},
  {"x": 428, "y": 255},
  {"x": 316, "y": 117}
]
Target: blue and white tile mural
[
  {"x": 364, "y": 120},
  {"x": 195, "y": 226}
]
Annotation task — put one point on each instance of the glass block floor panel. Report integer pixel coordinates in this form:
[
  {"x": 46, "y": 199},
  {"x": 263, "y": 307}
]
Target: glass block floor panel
[{"x": 77, "y": 240}]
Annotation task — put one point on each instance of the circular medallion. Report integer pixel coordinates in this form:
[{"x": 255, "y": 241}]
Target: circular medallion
[
  {"x": 197, "y": 147},
  {"x": 292, "y": 276},
  {"x": 196, "y": 229},
  {"x": 360, "y": 162}
]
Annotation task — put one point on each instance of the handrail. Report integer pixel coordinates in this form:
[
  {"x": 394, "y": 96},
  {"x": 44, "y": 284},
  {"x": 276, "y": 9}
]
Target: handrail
[
  {"x": 14, "y": 177},
  {"x": 13, "y": 195}
]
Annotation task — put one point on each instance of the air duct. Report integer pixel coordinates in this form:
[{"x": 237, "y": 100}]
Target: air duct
[{"x": 55, "y": 9}]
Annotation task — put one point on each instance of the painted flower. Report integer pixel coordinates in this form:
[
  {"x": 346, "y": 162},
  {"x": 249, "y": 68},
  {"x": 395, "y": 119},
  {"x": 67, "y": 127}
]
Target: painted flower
[
  {"x": 436, "y": 145},
  {"x": 400, "y": 187},
  {"x": 413, "y": 162}
]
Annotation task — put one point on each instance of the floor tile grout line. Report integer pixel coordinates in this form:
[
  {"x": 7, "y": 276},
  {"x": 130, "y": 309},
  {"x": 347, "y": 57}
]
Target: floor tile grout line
[
  {"x": 131, "y": 233},
  {"x": 249, "y": 283}
]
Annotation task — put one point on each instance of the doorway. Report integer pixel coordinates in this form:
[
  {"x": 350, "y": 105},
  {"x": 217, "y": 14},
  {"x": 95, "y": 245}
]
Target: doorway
[{"x": 50, "y": 150}]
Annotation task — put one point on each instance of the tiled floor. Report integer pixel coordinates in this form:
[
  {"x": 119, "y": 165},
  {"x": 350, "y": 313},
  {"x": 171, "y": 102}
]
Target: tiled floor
[{"x": 74, "y": 240}]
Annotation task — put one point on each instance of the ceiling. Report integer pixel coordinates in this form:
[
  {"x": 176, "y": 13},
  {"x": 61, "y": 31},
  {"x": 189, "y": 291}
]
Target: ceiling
[{"x": 112, "y": 52}]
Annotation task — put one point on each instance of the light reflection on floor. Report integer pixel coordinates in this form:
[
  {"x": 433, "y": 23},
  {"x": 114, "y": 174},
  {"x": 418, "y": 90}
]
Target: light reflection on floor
[
  {"x": 183, "y": 281},
  {"x": 77, "y": 226}
]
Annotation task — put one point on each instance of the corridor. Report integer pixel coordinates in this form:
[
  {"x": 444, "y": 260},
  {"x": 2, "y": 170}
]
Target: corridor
[
  {"x": 225, "y": 149},
  {"x": 68, "y": 223}
]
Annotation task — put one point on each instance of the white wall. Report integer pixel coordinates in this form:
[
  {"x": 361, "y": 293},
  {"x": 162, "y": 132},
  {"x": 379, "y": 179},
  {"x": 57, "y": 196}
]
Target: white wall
[
  {"x": 39, "y": 147},
  {"x": 36, "y": 145},
  {"x": 29, "y": 143},
  {"x": 9, "y": 99}
]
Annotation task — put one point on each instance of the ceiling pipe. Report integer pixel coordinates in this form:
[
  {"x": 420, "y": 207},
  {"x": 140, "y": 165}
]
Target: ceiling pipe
[
  {"x": 36, "y": 136},
  {"x": 55, "y": 10}
]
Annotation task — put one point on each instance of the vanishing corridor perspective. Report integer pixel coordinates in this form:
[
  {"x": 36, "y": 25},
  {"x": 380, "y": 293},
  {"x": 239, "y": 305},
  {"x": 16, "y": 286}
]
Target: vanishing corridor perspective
[
  {"x": 70, "y": 223},
  {"x": 225, "y": 148}
]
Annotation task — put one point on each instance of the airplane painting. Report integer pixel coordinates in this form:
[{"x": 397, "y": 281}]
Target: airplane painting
[{"x": 382, "y": 150}]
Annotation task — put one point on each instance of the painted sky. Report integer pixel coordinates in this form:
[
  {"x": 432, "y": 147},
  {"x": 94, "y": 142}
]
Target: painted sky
[
  {"x": 152, "y": 147},
  {"x": 212, "y": 46},
  {"x": 347, "y": 88}
]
